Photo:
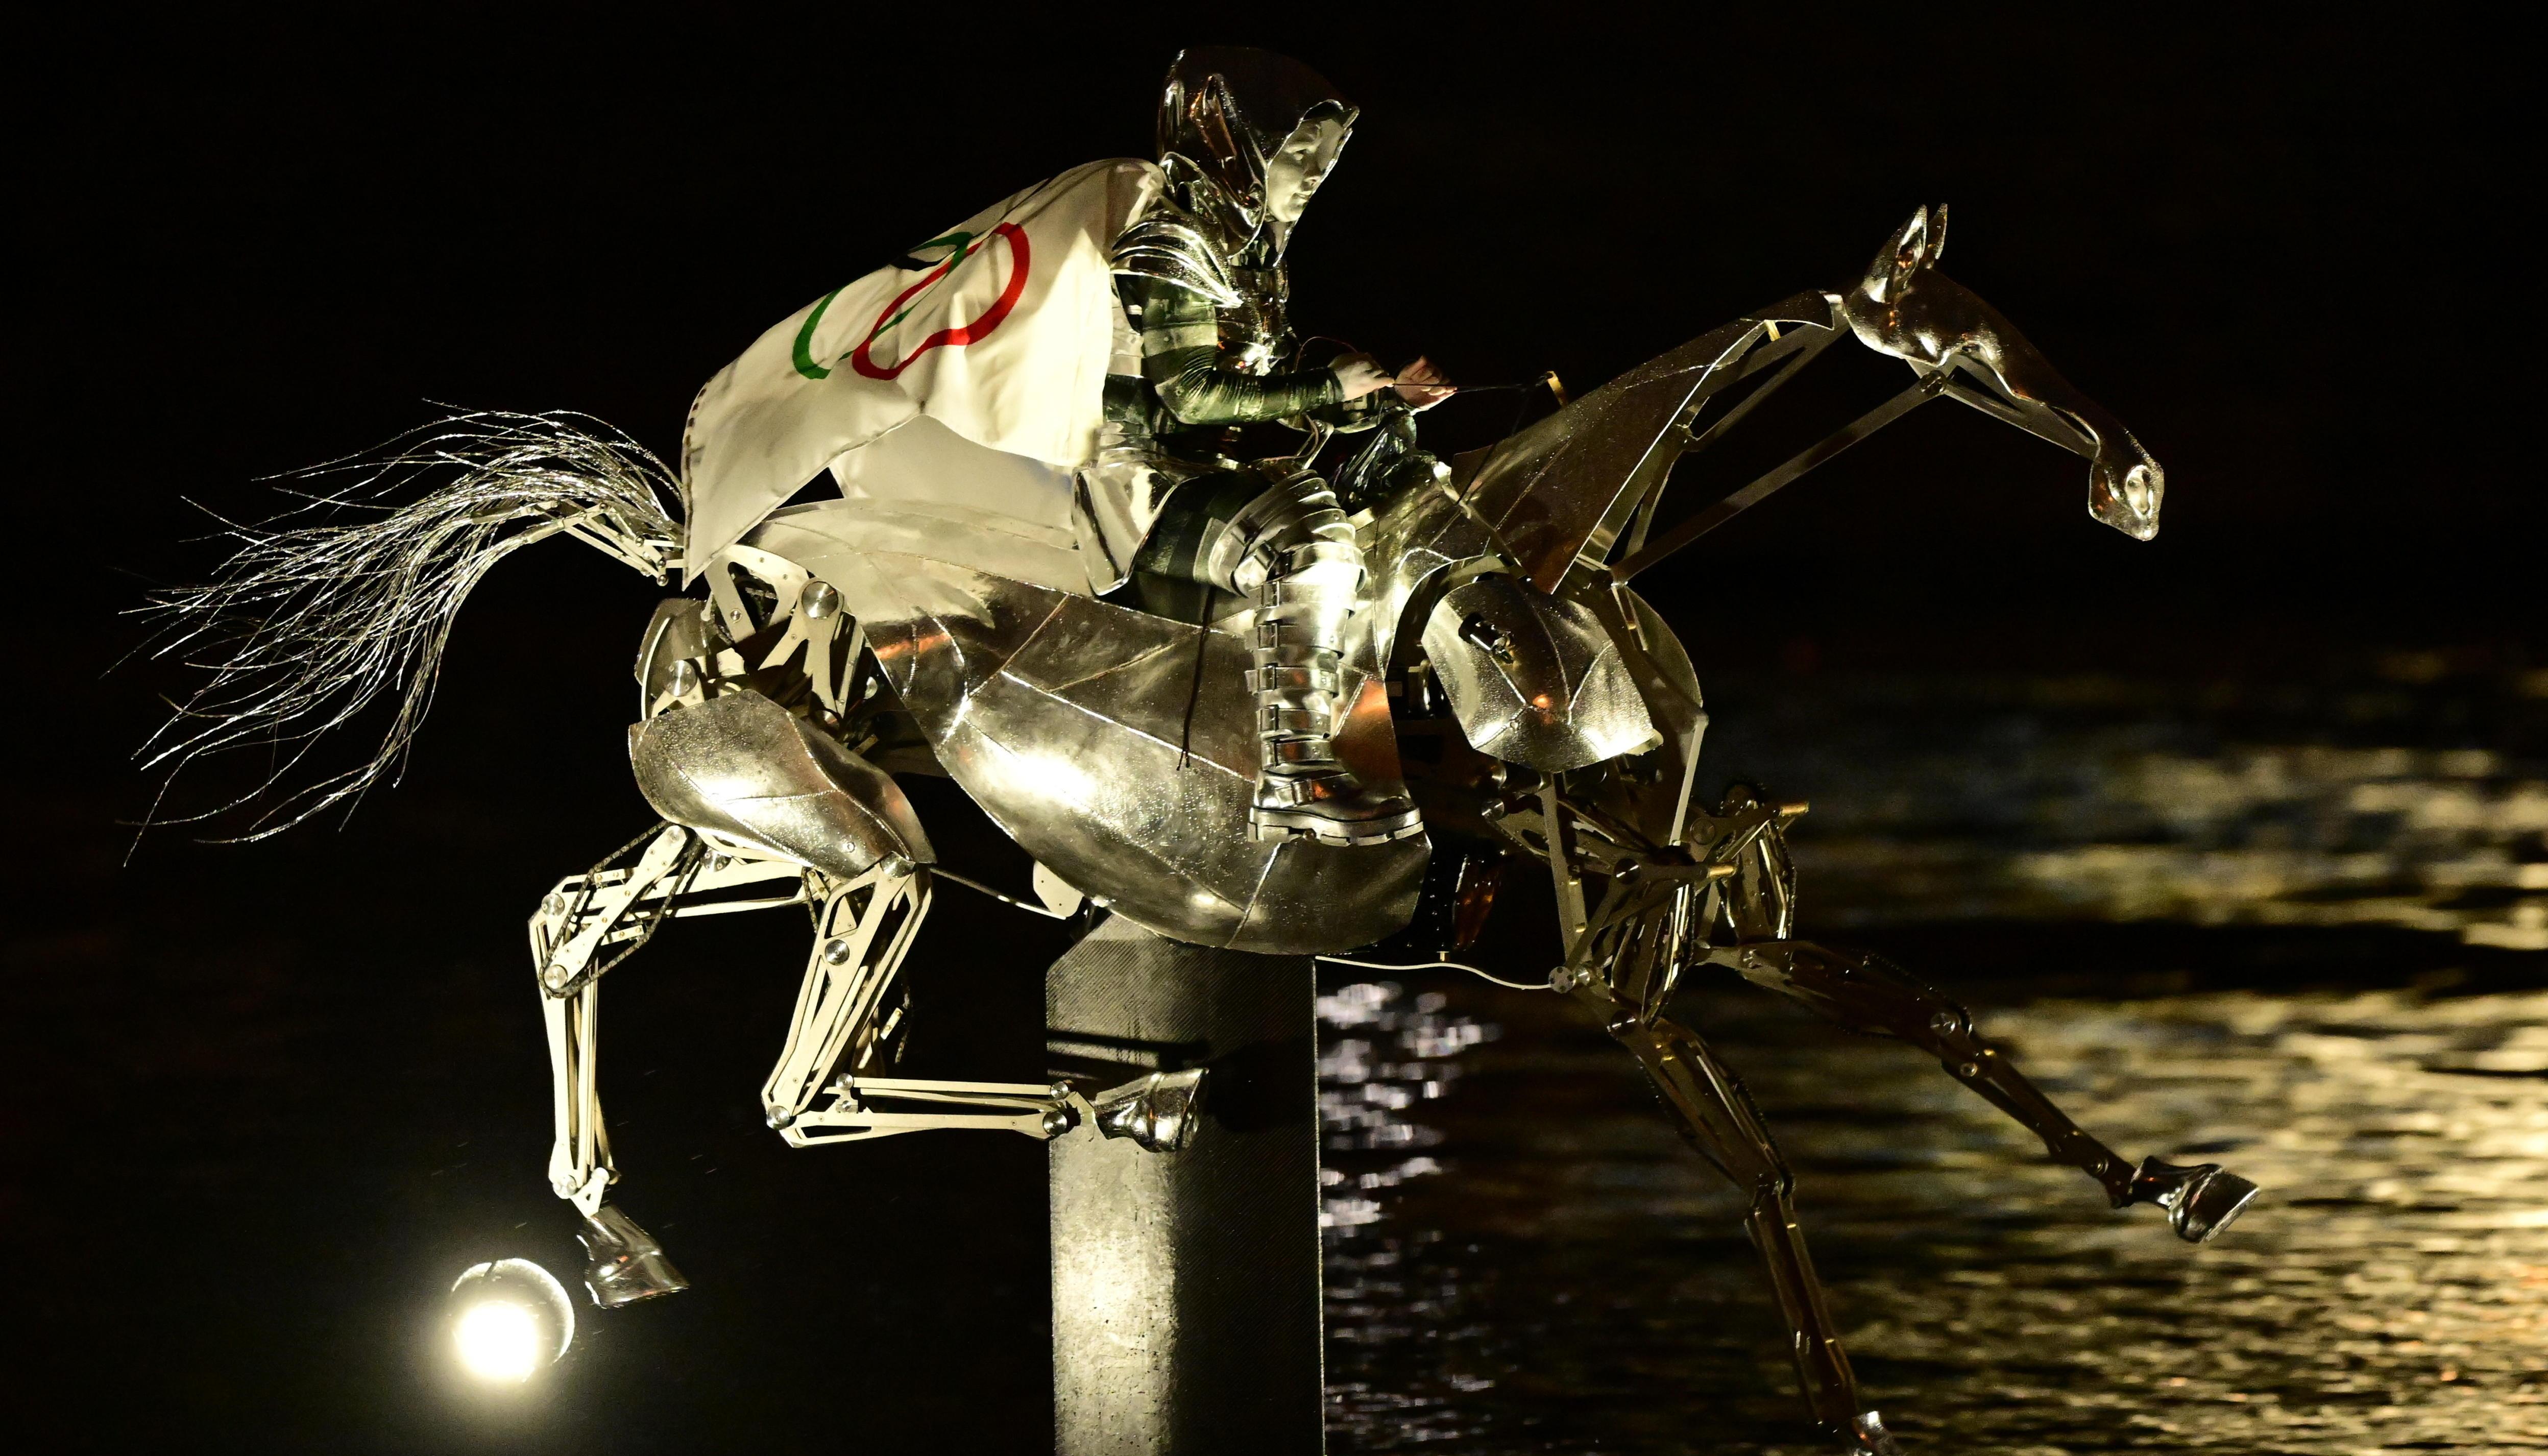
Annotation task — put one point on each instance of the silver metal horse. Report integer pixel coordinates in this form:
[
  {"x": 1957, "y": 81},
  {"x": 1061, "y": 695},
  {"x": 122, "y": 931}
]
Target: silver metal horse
[{"x": 1505, "y": 673}]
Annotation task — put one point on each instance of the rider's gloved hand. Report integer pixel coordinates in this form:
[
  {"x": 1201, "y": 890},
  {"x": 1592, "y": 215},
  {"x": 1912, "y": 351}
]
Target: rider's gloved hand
[
  {"x": 1362, "y": 375},
  {"x": 1421, "y": 384}
]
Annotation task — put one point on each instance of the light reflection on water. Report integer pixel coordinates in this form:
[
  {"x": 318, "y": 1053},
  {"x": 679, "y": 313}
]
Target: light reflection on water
[
  {"x": 2111, "y": 800},
  {"x": 1523, "y": 1257},
  {"x": 1575, "y": 1280}
]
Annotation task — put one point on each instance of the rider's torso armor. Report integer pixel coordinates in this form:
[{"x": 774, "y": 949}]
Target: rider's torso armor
[{"x": 1202, "y": 352}]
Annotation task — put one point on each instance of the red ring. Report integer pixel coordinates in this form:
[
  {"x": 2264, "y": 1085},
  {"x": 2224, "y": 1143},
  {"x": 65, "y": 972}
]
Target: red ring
[{"x": 962, "y": 334}]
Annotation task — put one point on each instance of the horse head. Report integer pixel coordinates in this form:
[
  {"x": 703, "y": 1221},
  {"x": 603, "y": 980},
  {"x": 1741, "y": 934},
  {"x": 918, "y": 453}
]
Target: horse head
[{"x": 1904, "y": 306}]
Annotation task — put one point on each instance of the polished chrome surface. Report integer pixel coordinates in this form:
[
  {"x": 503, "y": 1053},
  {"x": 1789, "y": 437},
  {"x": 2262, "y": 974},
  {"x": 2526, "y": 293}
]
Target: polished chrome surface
[
  {"x": 2202, "y": 1200},
  {"x": 740, "y": 766},
  {"x": 622, "y": 1262},
  {"x": 1565, "y": 487},
  {"x": 1106, "y": 742},
  {"x": 1534, "y": 679},
  {"x": 1649, "y": 794},
  {"x": 1157, "y": 1110},
  {"x": 1292, "y": 552},
  {"x": 1057, "y": 714},
  {"x": 1906, "y": 308},
  {"x": 1077, "y": 726},
  {"x": 1225, "y": 112}
]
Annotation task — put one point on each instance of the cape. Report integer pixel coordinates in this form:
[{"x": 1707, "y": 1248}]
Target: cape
[{"x": 998, "y": 328}]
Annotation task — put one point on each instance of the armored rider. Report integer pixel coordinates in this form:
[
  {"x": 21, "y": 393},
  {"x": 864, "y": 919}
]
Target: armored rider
[{"x": 1246, "y": 138}]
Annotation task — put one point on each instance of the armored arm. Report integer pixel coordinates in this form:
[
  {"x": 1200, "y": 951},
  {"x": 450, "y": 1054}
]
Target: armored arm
[{"x": 1182, "y": 362}]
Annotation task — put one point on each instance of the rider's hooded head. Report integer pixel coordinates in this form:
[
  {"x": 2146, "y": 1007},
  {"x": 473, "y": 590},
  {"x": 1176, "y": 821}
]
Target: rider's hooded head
[{"x": 1247, "y": 135}]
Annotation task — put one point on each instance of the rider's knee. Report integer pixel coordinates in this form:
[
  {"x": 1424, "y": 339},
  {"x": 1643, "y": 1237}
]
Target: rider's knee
[{"x": 1295, "y": 533}]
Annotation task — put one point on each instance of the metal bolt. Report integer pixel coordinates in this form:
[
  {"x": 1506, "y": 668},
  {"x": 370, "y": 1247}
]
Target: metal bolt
[
  {"x": 819, "y": 600},
  {"x": 552, "y": 904},
  {"x": 836, "y": 952},
  {"x": 1945, "y": 1022},
  {"x": 1969, "y": 1069}
]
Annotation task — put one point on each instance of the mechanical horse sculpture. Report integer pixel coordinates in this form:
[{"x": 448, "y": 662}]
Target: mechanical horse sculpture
[{"x": 1505, "y": 673}]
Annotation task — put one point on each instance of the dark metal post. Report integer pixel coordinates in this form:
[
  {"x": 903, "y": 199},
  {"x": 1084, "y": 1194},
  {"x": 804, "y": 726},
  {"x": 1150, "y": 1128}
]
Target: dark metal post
[{"x": 1186, "y": 1294}]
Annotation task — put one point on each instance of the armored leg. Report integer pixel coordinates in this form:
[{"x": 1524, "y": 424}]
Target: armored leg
[
  {"x": 1869, "y": 994},
  {"x": 1713, "y": 1112},
  {"x": 1291, "y": 550}
]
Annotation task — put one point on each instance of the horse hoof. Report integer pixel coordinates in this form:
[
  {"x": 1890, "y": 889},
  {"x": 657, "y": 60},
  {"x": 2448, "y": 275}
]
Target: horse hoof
[
  {"x": 1870, "y": 1438},
  {"x": 626, "y": 1264},
  {"x": 2201, "y": 1200},
  {"x": 1157, "y": 1112}
]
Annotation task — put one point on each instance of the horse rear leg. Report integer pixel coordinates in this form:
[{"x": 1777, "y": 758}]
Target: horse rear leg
[
  {"x": 847, "y": 1013},
  {"x": 1869, "y": 994},
  {"x": 587, "y": 924}
]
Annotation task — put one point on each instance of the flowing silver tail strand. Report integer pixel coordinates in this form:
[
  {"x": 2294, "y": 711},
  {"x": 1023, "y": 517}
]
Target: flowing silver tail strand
[{"x": 307, "y": 624}]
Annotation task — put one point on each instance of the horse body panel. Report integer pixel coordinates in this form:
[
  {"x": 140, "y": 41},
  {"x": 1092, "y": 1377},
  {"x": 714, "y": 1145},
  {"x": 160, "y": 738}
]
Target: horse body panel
[{"x": 1077, "y": 726}]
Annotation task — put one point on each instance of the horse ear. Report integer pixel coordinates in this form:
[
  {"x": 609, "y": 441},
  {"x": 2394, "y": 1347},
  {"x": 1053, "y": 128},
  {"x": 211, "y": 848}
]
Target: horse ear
[
  {"x": 1936, "y": 233},
  {"x": 1905, "y": 253}
]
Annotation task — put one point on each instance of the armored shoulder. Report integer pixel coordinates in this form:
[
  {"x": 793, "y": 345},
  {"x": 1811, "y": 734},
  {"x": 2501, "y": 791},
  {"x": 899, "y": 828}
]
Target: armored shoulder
[{"x": 1170, "y": 247}]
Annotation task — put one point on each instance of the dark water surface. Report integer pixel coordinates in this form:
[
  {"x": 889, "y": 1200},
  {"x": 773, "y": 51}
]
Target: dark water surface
[
  {"x": 1529, "y": 1260},
  {"x": 2289, "y": 928}
]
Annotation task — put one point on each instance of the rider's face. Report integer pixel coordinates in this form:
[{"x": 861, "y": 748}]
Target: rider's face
[{"x": 1292, "y": 173}]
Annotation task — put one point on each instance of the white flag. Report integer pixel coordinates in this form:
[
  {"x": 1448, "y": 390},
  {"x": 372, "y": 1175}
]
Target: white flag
[{"x": 999, "y": 329}]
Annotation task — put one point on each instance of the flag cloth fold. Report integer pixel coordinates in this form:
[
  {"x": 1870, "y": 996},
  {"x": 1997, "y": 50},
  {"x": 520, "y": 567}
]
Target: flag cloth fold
[{"x": 998, "y": 328}]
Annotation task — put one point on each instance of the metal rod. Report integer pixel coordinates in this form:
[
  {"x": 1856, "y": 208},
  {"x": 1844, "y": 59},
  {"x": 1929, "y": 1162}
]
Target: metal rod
[
  {"x": 2025, "y": 420},
  {"x": 1797, "y": 357},
  {"x": 1761, "y": 490},
  {"x": 938, "y": 872}
]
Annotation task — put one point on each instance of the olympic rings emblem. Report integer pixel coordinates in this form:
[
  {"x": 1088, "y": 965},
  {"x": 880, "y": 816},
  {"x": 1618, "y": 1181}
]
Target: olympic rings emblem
[{"x": 960, "y": 248}]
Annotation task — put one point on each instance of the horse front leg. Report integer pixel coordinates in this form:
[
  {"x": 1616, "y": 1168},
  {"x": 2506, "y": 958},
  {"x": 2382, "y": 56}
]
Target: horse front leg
[
  {"x": 1869, "y": 994},
  {"x": 1712, "y": 1112}
]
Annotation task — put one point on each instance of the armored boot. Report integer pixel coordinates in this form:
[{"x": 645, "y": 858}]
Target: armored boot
[{"x": 1293, "y": 552}]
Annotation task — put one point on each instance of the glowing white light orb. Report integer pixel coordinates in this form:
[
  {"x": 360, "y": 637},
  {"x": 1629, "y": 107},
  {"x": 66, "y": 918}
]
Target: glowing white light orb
[
  {"x": 509, "y": 1319},
  {"x": 498, "y": 1340}
]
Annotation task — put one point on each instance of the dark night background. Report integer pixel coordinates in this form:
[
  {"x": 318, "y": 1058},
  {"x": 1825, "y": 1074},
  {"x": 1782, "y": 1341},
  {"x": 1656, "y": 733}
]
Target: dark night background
[{"x": 263, "y": 1099}]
